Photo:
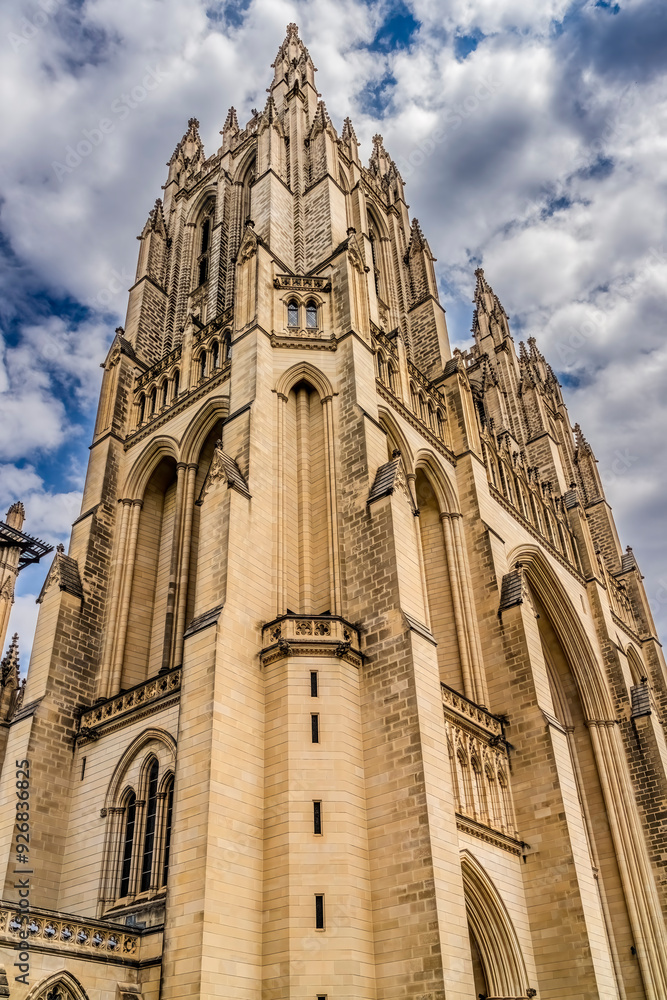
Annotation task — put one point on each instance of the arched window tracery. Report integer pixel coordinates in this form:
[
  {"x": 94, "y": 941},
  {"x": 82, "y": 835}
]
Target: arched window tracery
[
  {"x": 139, "y": 832},
  {"x": 293, "y": 313}
]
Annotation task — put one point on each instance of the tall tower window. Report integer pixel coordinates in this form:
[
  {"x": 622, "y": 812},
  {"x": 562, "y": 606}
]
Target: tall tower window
[
  {"x": 128, "y": 843},
  {"x": 313, "y": 684},
  {"x": 204, "y": 249},
  {"x": 293, "y": 314},
  {"x": 149, "y": 835},
  {"x": 317, "y": 818},
  {"x": 315, "y": 728}
]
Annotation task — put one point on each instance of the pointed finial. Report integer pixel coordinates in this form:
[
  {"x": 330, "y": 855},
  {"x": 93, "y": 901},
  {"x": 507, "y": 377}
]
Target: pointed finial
[
  {"x": 10, "y": 661},
  {"x": 60, "y": 548},
  {"x": 231, "y": 122},
  {"x": 16, "y": 515},
  {"x": 193, "y": 123},
  {"x": 348, "y": 134},
  {"x": 292, "y": 30}
]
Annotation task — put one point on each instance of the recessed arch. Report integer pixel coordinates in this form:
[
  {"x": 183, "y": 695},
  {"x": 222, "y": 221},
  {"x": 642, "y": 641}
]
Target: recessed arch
[
  {"x": 493, "y": 931},
  {"x": 444, "y": 490},
  {"x": 397, "y": 439},
  {"x": 637, "y": 666},
  {"x": 160, "y": 447},
  {"x": 304, "y": 371},
  {"x": 71, "y": 987},
  {"x": 201, "y": 426},
  {"x": 593, "y": 691},
  {"x": 204, "y": 201}
]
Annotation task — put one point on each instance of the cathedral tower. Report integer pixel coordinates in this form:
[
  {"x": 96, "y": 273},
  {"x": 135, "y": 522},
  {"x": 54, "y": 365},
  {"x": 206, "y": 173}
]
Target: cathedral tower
[{"x": 345, "y": 687}]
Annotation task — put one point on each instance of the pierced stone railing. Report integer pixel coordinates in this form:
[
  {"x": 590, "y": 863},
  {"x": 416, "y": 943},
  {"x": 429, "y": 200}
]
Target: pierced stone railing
[
  {"x": 310, "y": 635},
  {"x": 71, "y": 933},
  {"x": 143, "y": 694}
]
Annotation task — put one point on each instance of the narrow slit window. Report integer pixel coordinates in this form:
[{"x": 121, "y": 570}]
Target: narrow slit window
[
  {"x": 315, "y": 728},
  {"x": 83, "y": 768},
  {"x": 313, "y": 683},
  {"x": 317, "y": 817},
  {"x": 319, "y": 913}
]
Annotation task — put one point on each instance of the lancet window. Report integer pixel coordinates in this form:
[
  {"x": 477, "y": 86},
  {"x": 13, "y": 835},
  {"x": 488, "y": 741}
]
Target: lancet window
[{"x": 139, "y": 831}]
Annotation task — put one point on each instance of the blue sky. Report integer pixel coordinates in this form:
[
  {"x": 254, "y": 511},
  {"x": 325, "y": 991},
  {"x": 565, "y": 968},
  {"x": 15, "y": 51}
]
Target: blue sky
[{"x": 532, "y": 139}]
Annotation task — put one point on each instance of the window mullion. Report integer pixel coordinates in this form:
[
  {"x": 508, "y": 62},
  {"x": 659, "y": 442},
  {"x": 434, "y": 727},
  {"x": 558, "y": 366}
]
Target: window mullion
[
  {"x": 137, "y": 847},
  {"x": 158, "y": 843}
]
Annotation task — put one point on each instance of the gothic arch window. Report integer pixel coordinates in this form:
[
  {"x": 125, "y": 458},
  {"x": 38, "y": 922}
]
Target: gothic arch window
[
  {"x": 153, "y": 402},
  {"x": 381, "y": 365},
  {"x": 164, "y": 393},
  {"x": 60, "y": 986},
  {"x": 227, "y": 345},
  {"x": 215, "y": 355},
  {"x": 393, "y": 378},
  {"x": 311, "y": 316},
  {"x": 142, "y": 408},
  {"x": 293, "y": 313},
  {"x": 414, "y": 398},
  {"x": 440, "y": 424},
  {"x": 175, "y": 384},
  {"x": 202, "y": 365},
  {"x": 139, "y": 826}
]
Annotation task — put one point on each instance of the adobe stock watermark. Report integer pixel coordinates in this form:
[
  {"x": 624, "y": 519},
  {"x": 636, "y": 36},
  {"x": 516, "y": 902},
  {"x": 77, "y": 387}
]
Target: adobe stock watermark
[
  {"x": 30, "y": 28},
  {"x": 454, "y": 118},
  {"x": 121, "y": 107},
  {"x": 619, "y": 466}
]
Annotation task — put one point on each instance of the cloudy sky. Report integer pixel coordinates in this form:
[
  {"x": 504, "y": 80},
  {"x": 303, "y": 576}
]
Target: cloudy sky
[{"x": 531, "y": 136}]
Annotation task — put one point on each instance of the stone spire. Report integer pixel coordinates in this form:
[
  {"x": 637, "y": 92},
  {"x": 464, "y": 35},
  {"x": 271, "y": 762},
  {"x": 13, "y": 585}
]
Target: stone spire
[
  {"x": 489, "y": 318},
  {"x": 419, "y": 260},
  {"x": 10, "y": 683},
  {"x": 9, "y": 667},
  {"x": 292, "y": 67},
  {"x": 16, "y": 515},
  {"x": 190, "y": 149}
]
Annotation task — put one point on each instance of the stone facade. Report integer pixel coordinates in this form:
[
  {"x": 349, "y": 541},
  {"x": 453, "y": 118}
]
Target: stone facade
[{"x": 345, "y": 687}]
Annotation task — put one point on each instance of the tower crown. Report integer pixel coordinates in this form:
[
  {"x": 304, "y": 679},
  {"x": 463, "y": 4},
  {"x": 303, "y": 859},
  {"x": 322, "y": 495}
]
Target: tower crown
[{"x": 293, "y": 66}]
